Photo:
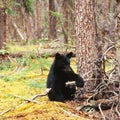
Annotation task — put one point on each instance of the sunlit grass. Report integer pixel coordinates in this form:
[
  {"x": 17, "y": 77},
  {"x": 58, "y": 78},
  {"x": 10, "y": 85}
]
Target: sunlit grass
[
  {"x": 25, "y": 77},
  {"x": 15, "y": 48}
]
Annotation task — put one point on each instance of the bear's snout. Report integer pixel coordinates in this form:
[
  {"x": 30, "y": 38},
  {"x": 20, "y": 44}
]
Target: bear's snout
[{"x": 67, "y": 69}]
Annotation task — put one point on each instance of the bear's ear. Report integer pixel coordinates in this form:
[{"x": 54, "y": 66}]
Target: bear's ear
[
  {"x": 58, "y": 55},
  {"x": 70, "y": 54}
]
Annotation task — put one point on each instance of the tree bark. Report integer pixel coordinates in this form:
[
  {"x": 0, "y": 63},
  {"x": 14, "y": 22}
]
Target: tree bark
[
  {"x": 117, "y": 12},
  {"x": 52, "y": 20},
  {"x": 66, "y": 19},
  {"x": 86, "y": 51},
  {"x": 2, "y": 28},
  {"x": 105, "y": 7},
  {"x": 119, "y": 82},
  {"x": 117, "y": 16}
]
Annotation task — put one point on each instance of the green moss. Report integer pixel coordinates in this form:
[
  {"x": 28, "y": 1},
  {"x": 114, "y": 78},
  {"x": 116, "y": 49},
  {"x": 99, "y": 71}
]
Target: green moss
[{"x": 29, "y": 4}]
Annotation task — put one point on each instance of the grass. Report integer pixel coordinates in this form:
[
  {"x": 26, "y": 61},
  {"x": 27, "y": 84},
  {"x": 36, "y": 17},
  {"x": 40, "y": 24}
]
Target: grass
[
  {"x": 15, "y": 48},
  {"x": 22, "y": 78},
  {"x": 26, "y": 77}
]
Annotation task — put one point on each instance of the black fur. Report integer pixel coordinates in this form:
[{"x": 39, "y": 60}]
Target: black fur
[{"x": 59, "y": 74}]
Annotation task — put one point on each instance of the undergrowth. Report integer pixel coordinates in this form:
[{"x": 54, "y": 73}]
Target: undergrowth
[{"x": 21, "y": 79}]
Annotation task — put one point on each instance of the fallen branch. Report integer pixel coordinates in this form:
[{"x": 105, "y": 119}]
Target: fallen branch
[
  {"x": 41, "y": 95},
  {"x": 34, "y": 97},
  {"x": 70, "y": 113},
  {"x": 50, "y": 52},
  {"x": 27, "y": 100},
  {"x": 6, "y": 111},
  {"x": 103, "y": 116},
  {"x": 117, "y": 111}
]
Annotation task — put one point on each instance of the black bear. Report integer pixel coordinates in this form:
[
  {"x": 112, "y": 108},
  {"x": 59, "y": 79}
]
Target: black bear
[{"x": 59, "y": 74}]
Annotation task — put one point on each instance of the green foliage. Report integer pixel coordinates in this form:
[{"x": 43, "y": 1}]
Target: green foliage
[
  {"x": 3, "y": 51},
  {"x": 8, "y": 79},
  {"x": 5, "y": 65},
  {"x": 36, "y": 84},
  {"x": 24, "y": 68},
  {"x": 8, "y": 95},
  {"x": 42, "y": 40},
  {"x": 56, "y": 14},
  {"x": 10, "y": 11},
  {"x": 25, "y": 61},
  {"x": 16, "y": 3},
  {"x": 46, "y": 55},
  {"x": 29, "y": 5},
  {"x": 9, "y": 7}
]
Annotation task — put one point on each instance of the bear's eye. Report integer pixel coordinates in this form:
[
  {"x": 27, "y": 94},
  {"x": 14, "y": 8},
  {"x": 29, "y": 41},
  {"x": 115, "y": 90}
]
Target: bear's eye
[{"x": 66, "y": 63}]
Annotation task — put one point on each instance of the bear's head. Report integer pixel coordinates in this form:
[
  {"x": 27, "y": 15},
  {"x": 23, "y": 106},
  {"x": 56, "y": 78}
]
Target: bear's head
[{"x": 62, "y": 62}]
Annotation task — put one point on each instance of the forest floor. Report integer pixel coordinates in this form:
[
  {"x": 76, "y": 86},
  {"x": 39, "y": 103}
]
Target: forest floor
[
  {"x": 22, "y": 83},
  {"x": 21, "y": 79}
]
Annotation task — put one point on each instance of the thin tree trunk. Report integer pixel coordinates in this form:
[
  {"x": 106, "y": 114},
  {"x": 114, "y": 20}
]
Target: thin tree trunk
[
  {"x": 27, "y": 26},
  {"x": 117, "y": 15},
  {"x": 52, "y": 20},
  {"x": 66, "y": 19},
  {"x": 38, "y": 19},
  {"x": 2, "y": 28}
]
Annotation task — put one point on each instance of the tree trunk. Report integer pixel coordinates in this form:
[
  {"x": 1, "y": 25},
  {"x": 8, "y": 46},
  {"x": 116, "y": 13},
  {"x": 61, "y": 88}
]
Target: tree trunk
[
  {"x": 105, "y": 7},
  {"x": 117, "y": 12},
  {"x": 52, "y": 20},
  {"x": 2, "y": 28},
  {"x": 88, "y": 51},
  {"x": 26, "y": 25},
  {"x": 119, "y": 82},
  {"x": 66, "y": 19},
  {"x": 117, "y": 15},
  {"x": 85, "y": 37},
  {"x": 38, "y": 19},
  {"x": 68, "y": 28},
  {"x": 107, "y": 24}
]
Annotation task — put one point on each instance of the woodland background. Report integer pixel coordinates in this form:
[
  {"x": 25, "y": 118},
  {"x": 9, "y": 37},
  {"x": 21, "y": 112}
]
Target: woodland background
[{"x": 32, "y": 31}]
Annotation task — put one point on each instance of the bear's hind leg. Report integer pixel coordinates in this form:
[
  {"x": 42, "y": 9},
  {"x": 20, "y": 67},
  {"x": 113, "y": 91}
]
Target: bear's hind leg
[
  {"x": 55, "y": 96},
  {"x": 69, "y": 92}
]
